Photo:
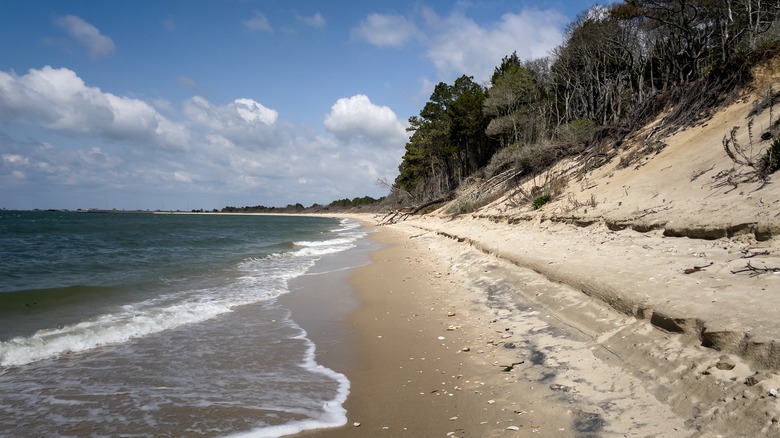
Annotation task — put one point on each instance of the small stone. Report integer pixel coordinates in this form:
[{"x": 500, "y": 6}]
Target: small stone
[
  {"x": 453, "y": 418},
  {"x": 725, "y": 364},
  {"x": 451, "y": 328},
  {"x": 465, "y": 349},
  {"x": 773, "y": 392},
  {"x": 450, "y": 313},
  {"x": 441, "y": 338},
  {"x": 356, "y": 424},
  {"x": 490, "y": 402},
  {"x": 754, "y": 379},
  {"x": 512, "y": 428}
]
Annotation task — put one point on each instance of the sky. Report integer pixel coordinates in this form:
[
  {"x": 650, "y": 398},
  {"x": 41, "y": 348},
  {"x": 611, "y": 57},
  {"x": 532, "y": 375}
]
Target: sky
[{"x": 202, "y": 104}]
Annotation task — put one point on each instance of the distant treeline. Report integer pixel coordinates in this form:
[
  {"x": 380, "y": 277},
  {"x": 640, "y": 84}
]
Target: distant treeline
[
  {"x": 618, "y": 67},
  {"x": 337, "y": 205}
]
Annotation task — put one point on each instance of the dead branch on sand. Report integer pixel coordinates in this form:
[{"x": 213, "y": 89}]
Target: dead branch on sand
[{"x": 754, "y": 271}]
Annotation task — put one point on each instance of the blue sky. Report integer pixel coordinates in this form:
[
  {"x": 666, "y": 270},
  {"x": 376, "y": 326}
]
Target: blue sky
[{"x": 201, "y": 104}]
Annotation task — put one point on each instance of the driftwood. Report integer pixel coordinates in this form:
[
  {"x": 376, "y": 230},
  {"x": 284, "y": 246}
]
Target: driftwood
[
  {"x": 402, "y": 214},
  {"x": 696, "y": 268},
  {"x": 754, "y": 271},
  {"x": 746, "y": 254}
]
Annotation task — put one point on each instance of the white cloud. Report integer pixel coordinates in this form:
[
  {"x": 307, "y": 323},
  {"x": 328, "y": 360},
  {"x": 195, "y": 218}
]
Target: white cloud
[
  {"x": 57, "y": 99},
  {"x": 243, "y": 122},
  {"x": 237, "y": 153},
  {"x": 316, "y": 21},
  {"x": 87, "y": 35},
  {"x": 456, "y": 44},
  {"x": 15, "y": 159},
  {"x": 258, "y": 23},
  {"x": 357, "y": 118},
  {"x": 461, "y": 46},
  {"x": 385, "y": 30}
]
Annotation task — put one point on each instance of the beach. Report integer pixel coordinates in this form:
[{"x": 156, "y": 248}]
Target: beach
[
  {"x": 640, "y": 301},
  {"x": 452, "y": 335}
]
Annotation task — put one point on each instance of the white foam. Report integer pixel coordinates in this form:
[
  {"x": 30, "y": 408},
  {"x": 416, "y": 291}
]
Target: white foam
[
  {"x": 333, "y": 412},
  {"x": 261, "y": 279}
]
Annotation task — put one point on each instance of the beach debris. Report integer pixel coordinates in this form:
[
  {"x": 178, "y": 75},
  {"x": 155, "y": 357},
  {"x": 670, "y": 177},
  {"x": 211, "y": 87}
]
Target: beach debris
[
  {"x": 773, "y": 392},
  {"x": 512, "y": 428},
  {"x": 441, "y": 338},
  {"x": 508, "y": 368},
  {"x": 559, "y": 387},
  {"x": 697, "y": 268},
  {"x": 465, "y": 349},
  {"x": 356, "y": 424},
  {"x": 746, "y": 253},
  {"x": 452, "y": 328},
  {"x": 453, "y": 418},
  {"x": 510, "y": 345},
  {"x": 450, "y": 313},
  {"x": 754, "y": 272},
  {"x": 490, "y": 402}
]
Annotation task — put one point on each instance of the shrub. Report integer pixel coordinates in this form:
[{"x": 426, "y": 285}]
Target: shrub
[
  {"x": 541, "y": 200},
  {"x": 576, "y": 131}
]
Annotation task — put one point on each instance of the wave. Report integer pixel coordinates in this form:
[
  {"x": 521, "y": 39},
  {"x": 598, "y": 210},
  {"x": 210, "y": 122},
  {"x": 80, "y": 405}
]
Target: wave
[
  {"x": 333, "y": 412},
  {"x": 258, "y": 279}
]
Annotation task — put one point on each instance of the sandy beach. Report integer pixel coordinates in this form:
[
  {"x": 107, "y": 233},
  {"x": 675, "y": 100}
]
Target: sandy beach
[
  {"x": 452, "y": 334},
  {"x": 448, "y": 341}
]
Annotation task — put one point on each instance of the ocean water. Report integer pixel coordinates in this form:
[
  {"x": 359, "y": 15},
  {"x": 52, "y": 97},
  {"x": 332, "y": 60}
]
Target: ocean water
[{"x": 122, "y": 324}]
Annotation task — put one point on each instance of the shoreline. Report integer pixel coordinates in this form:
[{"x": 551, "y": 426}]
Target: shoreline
[
  {"x": 452, "y": 337},
  {"x": 430, "y": 356}
]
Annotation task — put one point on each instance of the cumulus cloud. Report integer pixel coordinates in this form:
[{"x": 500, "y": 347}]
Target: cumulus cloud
[
  {"x": 455, "y": 44},
  {"x": 385, "y": 30},
  {"x": 87, "y": 35},
  {"x": 57, "y": 99},
  {"x": 258, "y": 23},
  {"x": 357, "y": 118},
  {"x": 461, "y": 46},
  {"x": 316, "y": 21},
  {"x": 243, "y": 122},
  {"x": 239, "y": 152}
]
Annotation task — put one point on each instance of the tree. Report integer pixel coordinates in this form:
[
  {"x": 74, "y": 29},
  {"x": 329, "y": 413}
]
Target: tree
[
  {"x": 514, "y": 104},
  {"x": 448, "y": 140}
]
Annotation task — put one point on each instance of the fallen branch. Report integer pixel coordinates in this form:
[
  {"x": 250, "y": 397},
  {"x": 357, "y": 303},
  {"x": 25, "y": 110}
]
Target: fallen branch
[
  {"x": 746, "y": 254},
  {"x": 697, "y": 268},
  {"x": 754, "y": 271}
]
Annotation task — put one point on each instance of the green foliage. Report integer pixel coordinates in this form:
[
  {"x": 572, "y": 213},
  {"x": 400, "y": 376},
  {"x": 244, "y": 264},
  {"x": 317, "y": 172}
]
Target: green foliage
[
  {"x": 576, "y": 131},
  {"x": 355, "y": 202},
  {"x": 529, "y": 159},
  {"x": 513, "y": 103},
  {"x": 541, "y": 200},
  {"x": 770, "y": 162},
  {"x": 448, "y": 141}
]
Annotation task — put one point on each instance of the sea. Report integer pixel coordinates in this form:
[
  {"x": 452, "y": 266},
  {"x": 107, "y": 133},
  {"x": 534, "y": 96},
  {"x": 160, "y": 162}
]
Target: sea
[{"x": 136, "y": 324}]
